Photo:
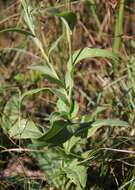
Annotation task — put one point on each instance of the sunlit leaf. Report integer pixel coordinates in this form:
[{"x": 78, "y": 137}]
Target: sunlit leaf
[
  {"x": 106, "y": 122},
  {"x": 10, "y": 113},
  {"x": 24, "y": 129}
]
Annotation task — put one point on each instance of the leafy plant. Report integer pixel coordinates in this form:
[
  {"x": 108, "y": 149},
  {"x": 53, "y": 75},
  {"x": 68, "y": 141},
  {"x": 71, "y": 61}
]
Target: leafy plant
[{"x": 65, "y": 160}]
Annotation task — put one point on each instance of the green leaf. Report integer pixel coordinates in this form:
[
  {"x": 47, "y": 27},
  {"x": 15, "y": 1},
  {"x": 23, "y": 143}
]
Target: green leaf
[
  {"x": 58, "y": 134},
  {"x": 74, "y": 110},
  {"x": 62, "y": 107},
  {"x": 10, "y": 113},
  {"x": 58, "y": 116},
  {"x": 49, "y": 74},
  {"x": 54, "y": 45},
  {"x": 50, "y": 163},
  {"x": 68, "y": 145},
  {"x": 69, "y": 16},
  {"x": 90, "y": 53},
  {"x": 18, "y": 30},
  {"x": 106, "y": 122},
  {"x": 77, "y": 174},
  {"x": 84, "y": 54},
  {"x": 24, "y": 129},
  {"x": 60, "y": 93}
]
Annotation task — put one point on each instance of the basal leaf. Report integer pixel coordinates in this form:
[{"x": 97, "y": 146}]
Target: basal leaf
[
  {"x": 77, "y": 174},
  {"x": 24, "y": 129},
  {"x": 10, "y": 113}
]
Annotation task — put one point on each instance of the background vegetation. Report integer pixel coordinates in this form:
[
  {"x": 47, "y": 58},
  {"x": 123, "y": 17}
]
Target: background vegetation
[{"x": 67, "y": 94}]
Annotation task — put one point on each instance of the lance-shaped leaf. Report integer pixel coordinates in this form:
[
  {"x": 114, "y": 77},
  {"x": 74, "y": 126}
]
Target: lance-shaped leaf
[
  {"x": 58, "y": 134},
  {"x": 49, "y": 74},
  {"x": 85, "y": 54},
  {"x": 106, "y": 122},
  {"x": 18, "y": 30},
  {"x": 60, "y": 93}
]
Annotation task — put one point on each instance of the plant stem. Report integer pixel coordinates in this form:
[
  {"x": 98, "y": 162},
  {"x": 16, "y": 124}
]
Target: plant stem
[
  {"x": 119, "y": 27},
  {"x": 94, "y": 13}
]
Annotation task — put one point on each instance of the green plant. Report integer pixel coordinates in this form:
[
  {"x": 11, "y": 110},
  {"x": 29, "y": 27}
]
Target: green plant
[{"x": 64, "y": 160}]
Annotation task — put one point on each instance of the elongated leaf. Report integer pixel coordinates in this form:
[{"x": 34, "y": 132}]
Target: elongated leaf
[
  {"x": 74, "y": 109},
  {"x": 58, "y": 92},
  {"x": 18, "y": 30},
  {"x": 54, "y": 45},
  {"x": 50, "y": 75},
  {"x": 24, "y": 129},
  {"x": 106, "y": 122},
  {"x": 58, "y": 134},
  {"x": 84, "y": 54},
  {"x": 62, "y": 94},
  {"x": 90, "y": 53}
]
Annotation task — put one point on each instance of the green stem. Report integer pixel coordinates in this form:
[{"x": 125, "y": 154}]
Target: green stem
[
  {"x": 94, "y": 13},
  {"x": 119, "y": 27}
]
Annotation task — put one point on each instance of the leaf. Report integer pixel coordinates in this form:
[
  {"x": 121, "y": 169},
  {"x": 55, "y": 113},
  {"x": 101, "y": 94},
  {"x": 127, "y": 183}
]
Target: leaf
[
  {"x": 106, "y": 122},
  {"x": 18, "y": 30},
  {"x": 24, "y": 129},
  {"x": 84, "y": 54},
  {"x": 74, "y": 110},
  {"x": 90, "y": 53},
  {"x": 68, "y": 145},
  {"x": 77, "y": 174},
  {"x": 50, "y": 75},
  {"x": 54, "y": 45},
  {"x": 50, "y": 163},
  {"x": 62, "y": 107},
  {"x": 58, "y": 134},
  {"x": 10, "y": 113},
  {"x": 58, "y": 116},
  {"x": 69, "y": 16},
  {"x": 60, "y": 93}
]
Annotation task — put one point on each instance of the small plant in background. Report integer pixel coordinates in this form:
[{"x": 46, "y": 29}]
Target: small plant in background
[{"x": 62, "y": 153}]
